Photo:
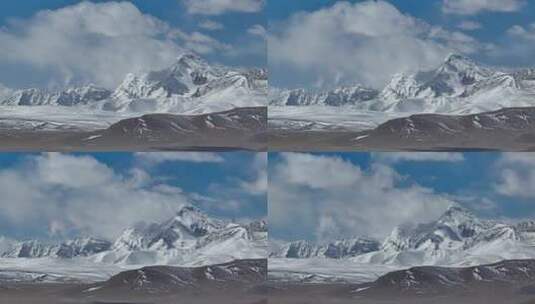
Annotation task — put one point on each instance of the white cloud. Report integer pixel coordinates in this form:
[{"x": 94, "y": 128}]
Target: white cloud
[
  {"x": 318, "y": 172},
  {"x": 516, "y": 175},
  {"x": 364, "y": 42},
  {"x": 517, "y": 46},
  {"x": 469, "y": 25},
  {"x": 259, "y": 185},
  {"x": 65, "y": 194},
  {"x": 211, "y": 25},
  {"x": 196, "y": 157},
  {"x": 199, "y": 42},
  {"x": 526, "y": 33},
  {"x": 218, "y": 7},
  {"x": 472, "y": 7},
  {"x": 335, "y": 198},
  {"x": 257, "y": 30},
  {"x": 397, "y": 157},
  {"x": 98, "y": 43}
]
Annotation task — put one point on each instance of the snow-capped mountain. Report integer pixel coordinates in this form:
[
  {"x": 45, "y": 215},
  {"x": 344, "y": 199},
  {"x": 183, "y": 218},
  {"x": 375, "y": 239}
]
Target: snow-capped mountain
[
  {"x": 179, "y": 231},
  {"x": 335, "y": 250},
  {"x": 457, "y": 238},
  {"x": 457, "y": 86},
  {"x": 69, "y": 97},
  {"x": 188, "y": 238},
  {"x": 348, "y": 95},
  {"x": 190, "y": 85},
  {"x": 69, "y": 249},
  {"x": 451, "y": 79}
]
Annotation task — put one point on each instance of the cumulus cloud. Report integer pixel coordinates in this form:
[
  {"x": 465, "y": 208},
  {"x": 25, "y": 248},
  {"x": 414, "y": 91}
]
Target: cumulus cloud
[
  {"x": 163, "y": 157},
  {"x": 211, "y": 25},
  {"x": 96, "y": 43},
  {"x": 259, "y": 185},
  {"x": 517, "y": 175},
  {"x": 397, "y": 157},
  {"x": 525, "y": 33},
  {"x": 65, "y": 194},
  {"x": 257, "y": 30},
  {"x": 517, "y": 46},
  {"x": 335, "y": 198},
  {"x": 472, "y": 7},
  {"x": 199, "y": 42},
  {"x": 218, "y": 7},
  {"x": 349, "y": 42},
  {"x": 469, "y": 25}
]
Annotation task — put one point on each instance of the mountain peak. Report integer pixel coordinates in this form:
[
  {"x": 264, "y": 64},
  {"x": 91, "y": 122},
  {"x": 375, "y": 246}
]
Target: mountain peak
[
  {"x": 459, "y": 64},
  {"x": 187, "y": 209},
  {"x": 190, "y": 61},
  {"x": 455, "y": 57},
  {"x": 456, "y": 209},
  {"x": 189, "y": 56},
  {"x": 194, "y": 221},
  {"x": 457, "y": 213},
  {"x": 190, "y": 213}
]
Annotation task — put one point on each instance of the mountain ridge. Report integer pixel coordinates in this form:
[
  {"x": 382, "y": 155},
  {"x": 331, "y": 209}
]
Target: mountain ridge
[
  {"x": 190, "y": 85},
  {"x": 457, "y": 238},
  {"x": 337, "y": 249},
  {"x": 188, "y": 238},
  {"x": 458, "y": 85},
  {"x": 518, "y": 275}
]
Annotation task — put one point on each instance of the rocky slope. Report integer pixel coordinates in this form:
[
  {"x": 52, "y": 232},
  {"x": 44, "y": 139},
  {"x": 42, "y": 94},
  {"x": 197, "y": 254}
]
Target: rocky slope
[
  {"x": 166, "y": 279},
  {"x": 508, "y": 129},
  {"x": 241, "y": 128},
  {"x": 430, "y": 280}
]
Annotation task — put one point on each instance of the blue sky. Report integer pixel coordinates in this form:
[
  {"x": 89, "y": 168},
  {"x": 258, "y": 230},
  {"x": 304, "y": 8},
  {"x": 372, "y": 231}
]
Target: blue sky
[
  {"x": 348, "y": 189},
  {"x": 230, "y": 43},
  {"x": 491, "y": 42},
  {"x": 50, "y": 195}
]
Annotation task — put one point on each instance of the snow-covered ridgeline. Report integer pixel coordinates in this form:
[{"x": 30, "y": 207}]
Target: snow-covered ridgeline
[
  {"x": 190, "y": 85},
  {"x": 457, "y": 238},
  {"x": 457, "y": 86},
  {"x": 189, "y": 238}
]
